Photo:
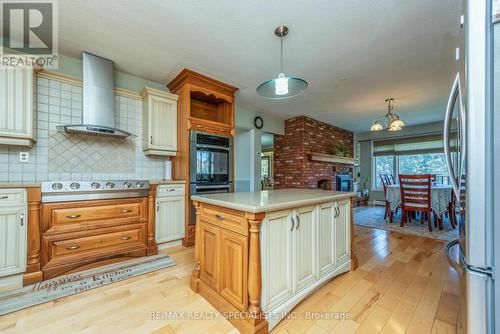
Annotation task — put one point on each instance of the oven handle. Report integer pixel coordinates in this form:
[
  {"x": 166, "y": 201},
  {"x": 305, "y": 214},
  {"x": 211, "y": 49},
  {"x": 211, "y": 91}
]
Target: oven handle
[
  {"x": 213, "y": 187},
  {"x": 225, "y": 148}
]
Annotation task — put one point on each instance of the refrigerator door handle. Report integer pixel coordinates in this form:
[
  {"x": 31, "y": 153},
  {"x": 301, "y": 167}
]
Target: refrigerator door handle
[
  {"x": 447, "y": 250},
  {"x": 454, "y": 95}
]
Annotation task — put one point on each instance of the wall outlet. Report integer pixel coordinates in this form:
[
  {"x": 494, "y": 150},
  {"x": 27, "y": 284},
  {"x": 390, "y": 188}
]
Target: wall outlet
[{"x": 24, "y": 156}]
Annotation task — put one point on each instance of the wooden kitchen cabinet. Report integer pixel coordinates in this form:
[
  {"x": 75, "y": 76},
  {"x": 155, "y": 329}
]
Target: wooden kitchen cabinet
[
  {"x": 233, "y": 267},
  {"x": 16, "y": 106},
  {"x": 159, "y": 122},
  {"x": 209, "y": 252},
  {"x": 170, "y": 213},
  {"x": 205, "y": 105}
]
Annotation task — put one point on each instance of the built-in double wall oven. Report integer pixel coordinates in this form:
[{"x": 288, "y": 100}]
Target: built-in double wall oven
[{"x": 211, "y": 164}]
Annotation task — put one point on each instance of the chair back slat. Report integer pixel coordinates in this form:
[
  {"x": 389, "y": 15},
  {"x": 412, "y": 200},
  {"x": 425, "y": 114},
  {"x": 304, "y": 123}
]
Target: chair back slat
[
  {"x": 415, "y": 189},
  {"x": 384, "y": 183}
]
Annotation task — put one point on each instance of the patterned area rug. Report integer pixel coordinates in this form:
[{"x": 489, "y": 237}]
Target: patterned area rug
[
  {"x": 373, "y": 216},
  {"x": 62, "y": 286}
]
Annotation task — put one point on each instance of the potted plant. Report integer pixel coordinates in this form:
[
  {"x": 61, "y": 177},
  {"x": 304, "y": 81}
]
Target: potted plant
[{"x": 342, "y": 151}]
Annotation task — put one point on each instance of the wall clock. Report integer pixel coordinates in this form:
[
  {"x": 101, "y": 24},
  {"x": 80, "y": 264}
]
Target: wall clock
[{"x": 258, "y": 122}]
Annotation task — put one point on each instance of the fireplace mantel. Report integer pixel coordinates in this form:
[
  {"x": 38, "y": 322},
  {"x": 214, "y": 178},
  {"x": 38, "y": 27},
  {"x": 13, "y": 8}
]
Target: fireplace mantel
[{"x": 333, "y": 158}]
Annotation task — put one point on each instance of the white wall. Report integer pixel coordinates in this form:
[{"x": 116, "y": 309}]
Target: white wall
[{"x": 248, "y": 146}]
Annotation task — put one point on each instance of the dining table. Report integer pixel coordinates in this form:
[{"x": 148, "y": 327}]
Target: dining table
[{"x": 441, "y": 197}]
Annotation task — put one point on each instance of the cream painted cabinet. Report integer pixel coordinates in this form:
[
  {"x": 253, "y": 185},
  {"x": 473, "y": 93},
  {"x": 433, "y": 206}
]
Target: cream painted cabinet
[
  {"x": 327, "y": 213},
  {"x": 305, "y": 246},
  {"x": 342, "y": 231},
  {"x": 170, "y": 212},
  {"x": 16, "y": 106},
  {"x": 276, "y": 258},
  {"x": 301, "y": 249},
  {"x": 159, "y": 122},
  {"x": 13, "y": 231}
]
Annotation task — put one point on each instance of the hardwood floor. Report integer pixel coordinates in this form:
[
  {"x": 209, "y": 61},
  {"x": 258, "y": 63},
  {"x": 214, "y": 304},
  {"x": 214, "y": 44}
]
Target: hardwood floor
[{"x": 403, "y": 284}]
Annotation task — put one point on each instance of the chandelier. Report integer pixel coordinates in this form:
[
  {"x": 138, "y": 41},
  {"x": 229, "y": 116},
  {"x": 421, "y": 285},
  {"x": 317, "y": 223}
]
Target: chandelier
[{"x": 394, "y": 123}]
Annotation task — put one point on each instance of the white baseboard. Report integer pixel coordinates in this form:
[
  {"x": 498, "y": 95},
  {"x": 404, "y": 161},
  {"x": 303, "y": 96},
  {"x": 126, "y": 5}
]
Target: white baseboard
[
  {"x": 169, "y": 244},
  {"x": 11, "y": 282}
]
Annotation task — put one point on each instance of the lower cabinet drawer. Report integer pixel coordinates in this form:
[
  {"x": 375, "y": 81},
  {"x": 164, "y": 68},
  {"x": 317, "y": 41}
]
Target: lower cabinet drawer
[
  {"x": 86, "y": 215},
  {"x": 82, "y": 246},
  {"x": 227, "y": 218},
  {"x": 12, "y": 197}
]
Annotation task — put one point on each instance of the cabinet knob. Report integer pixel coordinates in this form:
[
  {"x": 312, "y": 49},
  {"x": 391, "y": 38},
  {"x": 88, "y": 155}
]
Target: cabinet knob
[
  {"x": 125, "y": 237},
  {"x": 22, "y": 219},
  {"x": 126, "y": 211},
  {"x": 73, "y": 216},
  {"x": 72, "y": 247},
  {"x": 219, "y": 217}
]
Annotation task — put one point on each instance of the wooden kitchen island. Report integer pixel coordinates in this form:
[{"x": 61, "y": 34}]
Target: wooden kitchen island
[{"x": 258, "y": 254}]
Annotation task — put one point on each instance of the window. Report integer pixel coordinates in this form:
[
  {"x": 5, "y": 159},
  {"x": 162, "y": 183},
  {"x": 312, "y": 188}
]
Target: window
[
  {"x": 412, "y": 155},
  {"x": 382, "y": 165},
  {"x": 265, "y": 167}
]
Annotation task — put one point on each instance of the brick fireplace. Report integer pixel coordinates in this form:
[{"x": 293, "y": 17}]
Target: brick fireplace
[{"x": 293, "y": 167}]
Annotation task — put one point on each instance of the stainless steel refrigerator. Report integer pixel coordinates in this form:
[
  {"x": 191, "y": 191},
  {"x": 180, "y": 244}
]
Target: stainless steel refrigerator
[{"x": 474, "y": 103}]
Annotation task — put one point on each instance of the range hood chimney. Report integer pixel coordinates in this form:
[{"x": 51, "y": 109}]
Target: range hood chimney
[{"x": 98, "y": 100}]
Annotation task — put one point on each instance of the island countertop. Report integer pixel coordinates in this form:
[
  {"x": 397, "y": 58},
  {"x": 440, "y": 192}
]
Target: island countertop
[{"x": 271, "y": 200}]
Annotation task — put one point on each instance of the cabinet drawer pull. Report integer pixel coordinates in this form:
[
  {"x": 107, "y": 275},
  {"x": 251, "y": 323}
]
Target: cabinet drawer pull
[
  {"x": 151, "y": 140},
  {"x": 4, "y": 197},
  {"x": 73, "y": 216},
  {"x": 298, "y": 222},
  {"x": 219, "y": 217},
  {"x": 126, "y": 237},
  {"x": 293, "y": 223},
  {"x": 171, "y": 189},
  {"x": 126, "y": 211},
  {"x": 72, "y": 247}
]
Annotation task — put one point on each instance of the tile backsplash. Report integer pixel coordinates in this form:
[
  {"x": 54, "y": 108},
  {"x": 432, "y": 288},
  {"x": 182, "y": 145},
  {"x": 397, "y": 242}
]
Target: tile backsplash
[{"x": 59, "y": 156}]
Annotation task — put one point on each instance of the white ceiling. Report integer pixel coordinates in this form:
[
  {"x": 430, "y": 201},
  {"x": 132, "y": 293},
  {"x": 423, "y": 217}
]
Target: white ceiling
[{"x": 353, "y": 53}]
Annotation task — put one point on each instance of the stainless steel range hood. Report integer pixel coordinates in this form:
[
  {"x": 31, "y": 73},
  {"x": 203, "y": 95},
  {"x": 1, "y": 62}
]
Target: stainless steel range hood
[{"x": 98, "y": 100}]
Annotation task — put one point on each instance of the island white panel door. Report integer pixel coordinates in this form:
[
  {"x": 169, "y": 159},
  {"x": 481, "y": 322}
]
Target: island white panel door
[
  {"x": 169, "y": 223},
  {"x": 276, "y": 259},
  {"x": 326, "y": 238},
  {"x": 305, "y": 247},
  {"x": 13, "y": 234},
  {"x": 342, "y": 232}
]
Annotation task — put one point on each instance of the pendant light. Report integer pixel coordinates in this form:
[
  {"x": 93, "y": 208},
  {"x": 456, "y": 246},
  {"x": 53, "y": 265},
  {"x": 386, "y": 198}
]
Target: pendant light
[
  {"x": 282, "y": 87},
  {"x": 394, "y": 123}
]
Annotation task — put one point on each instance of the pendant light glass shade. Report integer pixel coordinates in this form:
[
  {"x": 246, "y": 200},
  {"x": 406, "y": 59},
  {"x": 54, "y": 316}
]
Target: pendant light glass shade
[{"x": 282, "y": 87}]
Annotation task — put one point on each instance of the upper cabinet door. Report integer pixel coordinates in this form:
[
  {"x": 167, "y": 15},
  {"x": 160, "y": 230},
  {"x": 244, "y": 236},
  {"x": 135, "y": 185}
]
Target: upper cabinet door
[
  {"x": 276, "y": 258},
  {"x": 326, "y": 238},
  {"x": 305, "y": 247},
  {"x": 16, "y": 106},
  {"x": 13, "y": 234},
  {"x": 342, "y": 232},
  {"x": 159, "y": 122}
]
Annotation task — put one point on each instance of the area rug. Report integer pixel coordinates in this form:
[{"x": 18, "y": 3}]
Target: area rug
[
  {"x": 373, "y": 216},
  {"x": 62, "y": 286}
]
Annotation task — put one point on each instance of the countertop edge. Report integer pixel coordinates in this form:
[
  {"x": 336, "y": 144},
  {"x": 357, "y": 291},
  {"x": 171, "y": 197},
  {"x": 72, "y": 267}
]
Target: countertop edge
[{"x": 273, "y": 207}]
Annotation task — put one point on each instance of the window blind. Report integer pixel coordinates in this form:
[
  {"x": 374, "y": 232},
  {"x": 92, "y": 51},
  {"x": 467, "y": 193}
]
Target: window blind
[{"x": 413, "y": 145}]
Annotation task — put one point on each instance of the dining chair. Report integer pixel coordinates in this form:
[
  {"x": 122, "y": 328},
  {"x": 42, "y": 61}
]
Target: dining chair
[
  {"x": 384, "y": 186},
  {"x": 387, "y": 179},
  {"x": 392, "y": 179},
  {"x": 415, "y": 196}
]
